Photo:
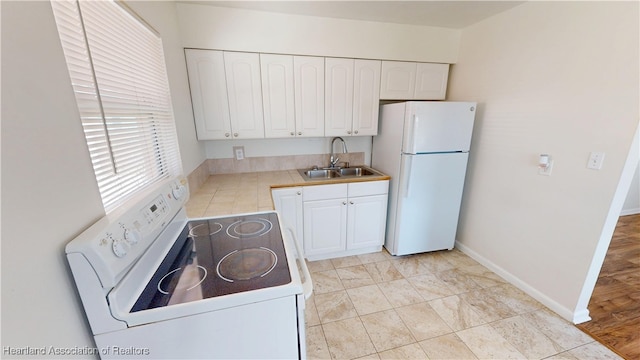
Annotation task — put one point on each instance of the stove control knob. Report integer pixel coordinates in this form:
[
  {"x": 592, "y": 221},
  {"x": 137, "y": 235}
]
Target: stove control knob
[
  {"x": 131, "y": 236},
  {"x": 119, "y": 248}
]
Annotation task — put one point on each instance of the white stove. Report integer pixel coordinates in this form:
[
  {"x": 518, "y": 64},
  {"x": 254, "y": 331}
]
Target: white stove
[{"x": 154, "y": 283}]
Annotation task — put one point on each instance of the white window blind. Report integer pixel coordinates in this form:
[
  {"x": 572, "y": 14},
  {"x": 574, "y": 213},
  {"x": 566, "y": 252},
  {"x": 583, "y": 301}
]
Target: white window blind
[{"x": 117, "y": 70}]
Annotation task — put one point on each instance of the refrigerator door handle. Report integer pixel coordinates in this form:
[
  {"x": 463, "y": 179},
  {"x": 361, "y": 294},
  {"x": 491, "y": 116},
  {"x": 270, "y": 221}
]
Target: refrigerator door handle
[
  {"x": 409, "y": 135},
  {"x": 408, "y": 176}
]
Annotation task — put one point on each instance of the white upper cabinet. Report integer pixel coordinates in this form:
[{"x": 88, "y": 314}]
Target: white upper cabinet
[
  {"x": 226, "y": 94},
  {"x": 338, "y": 96},
  {"x": 431, "y": 81},
  {"x": 366, "y": 97},
  {"x": 277, "y": 95},
  {"x": 413, "y": 81},
  {"x": 308, "y": 75},
  {"x": 398, "y": 80},
  {"x": 352, "y": 97},
  {"x": 208, "y": 94},
  {"x": 241, "y": 95},
  {"x": 245, "y": 94}
]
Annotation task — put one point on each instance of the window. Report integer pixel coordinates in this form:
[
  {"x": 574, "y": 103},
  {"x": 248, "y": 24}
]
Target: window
[{"x": 118, "y": 74}]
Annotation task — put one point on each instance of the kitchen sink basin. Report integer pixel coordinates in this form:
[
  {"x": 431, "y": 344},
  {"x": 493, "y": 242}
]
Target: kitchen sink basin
[
  {"x": 322, "y": 174},
  {"x": 336, "y": 173},
  {"x": 355, "y": 171}
]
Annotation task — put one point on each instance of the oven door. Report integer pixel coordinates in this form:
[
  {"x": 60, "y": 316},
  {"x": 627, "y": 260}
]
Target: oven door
[{"x": 261, "y": 330}]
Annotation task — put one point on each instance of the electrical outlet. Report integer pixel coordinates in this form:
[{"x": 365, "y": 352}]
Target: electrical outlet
[
  {"x": 238, "y": 152},
  {"x": 595, "y": 160}
]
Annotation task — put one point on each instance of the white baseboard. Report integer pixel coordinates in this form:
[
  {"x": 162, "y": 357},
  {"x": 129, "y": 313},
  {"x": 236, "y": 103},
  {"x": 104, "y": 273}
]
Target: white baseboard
[
  {"x": 580, "y": 316},
  {"x": 629, "y": 211},
  {"x": 576, "y": 317}
]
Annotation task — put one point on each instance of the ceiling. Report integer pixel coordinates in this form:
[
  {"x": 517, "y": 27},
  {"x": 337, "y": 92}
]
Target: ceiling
[{"x": 448, "y": 14}]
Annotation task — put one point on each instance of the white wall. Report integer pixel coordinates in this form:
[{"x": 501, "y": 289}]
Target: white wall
[
  {"x": 211, "y": 27},
  {"x": 49, "y": 192},
  {"x": 550, "y": 77}
]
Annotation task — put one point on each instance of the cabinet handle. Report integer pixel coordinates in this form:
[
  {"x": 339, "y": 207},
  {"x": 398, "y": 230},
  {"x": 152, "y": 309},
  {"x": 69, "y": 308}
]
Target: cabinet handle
[
  {"x": 299, "y": 132},
  {"x": 344, "y": 203},
  {"x": 292, "y": 133},
  {"x": 226, "y": 134},
  {"x": 235, "y": 134},
  {"x": 349, "y": 132},
  {"x": 356, "y": 132},
  {"x": 299, "y": 192},
  {"x": 351, "y": 202}
]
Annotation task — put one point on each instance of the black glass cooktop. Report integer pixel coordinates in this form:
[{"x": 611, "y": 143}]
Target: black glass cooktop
[{"x": 217, "y": 257}]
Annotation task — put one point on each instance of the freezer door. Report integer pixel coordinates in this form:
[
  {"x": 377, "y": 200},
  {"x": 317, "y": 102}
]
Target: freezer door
[
  {"x": 436, "y": 126},
  {"x": 428, "y": 204}
]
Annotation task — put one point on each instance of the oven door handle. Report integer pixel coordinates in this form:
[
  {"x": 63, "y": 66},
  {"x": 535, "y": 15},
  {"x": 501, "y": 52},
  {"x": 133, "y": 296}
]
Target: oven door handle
[{"x": 307, "y": 285}]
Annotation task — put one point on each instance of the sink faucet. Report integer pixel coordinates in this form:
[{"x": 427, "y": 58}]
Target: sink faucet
[{"x": 334, "y": 160}]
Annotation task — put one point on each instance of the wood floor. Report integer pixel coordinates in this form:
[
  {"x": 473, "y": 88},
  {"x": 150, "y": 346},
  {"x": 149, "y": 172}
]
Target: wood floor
[{"x": 615, "y": 303}]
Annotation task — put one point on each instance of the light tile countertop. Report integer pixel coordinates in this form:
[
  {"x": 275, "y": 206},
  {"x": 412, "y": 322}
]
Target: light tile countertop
[{"x": 225, "y": 194}]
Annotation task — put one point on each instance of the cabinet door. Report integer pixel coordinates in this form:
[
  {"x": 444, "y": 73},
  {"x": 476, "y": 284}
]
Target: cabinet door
[
  {"x": 277, "y": 95},
  {"x": 208, "y": 94},
  {"x": 245, "y": 94},
  {"x": 431, "y": 81},
  {"x": 325, "y": 226},
  {"x": 338, "y": 96},
  {"x": 398, "y": 80},
  {"x": 366, "y": 221},
  {"x": 288, "y": 203},
  {"x": 308, "y": 73},
  {"x": 366, "y": 97}
]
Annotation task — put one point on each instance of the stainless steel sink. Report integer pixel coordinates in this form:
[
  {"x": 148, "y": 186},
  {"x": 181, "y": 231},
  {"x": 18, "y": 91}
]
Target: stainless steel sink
[
  {"x": 355, "y": 171},
  {"x": 322, "y": 174},
  {"x": 333, "y": 173}
]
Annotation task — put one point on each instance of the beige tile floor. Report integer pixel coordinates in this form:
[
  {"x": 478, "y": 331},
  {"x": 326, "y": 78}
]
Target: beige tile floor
[{"x": 441, "y": 305}]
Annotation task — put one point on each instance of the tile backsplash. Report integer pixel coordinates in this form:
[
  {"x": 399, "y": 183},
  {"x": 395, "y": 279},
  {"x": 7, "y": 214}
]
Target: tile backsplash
[
  {"x": 198, "y": 176},
  {"x": 266, "y": 163}
]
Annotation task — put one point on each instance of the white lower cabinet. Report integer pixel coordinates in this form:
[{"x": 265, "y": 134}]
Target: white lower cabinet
[
  {"x": 325, "y": 226},
  {"x": 366, "y": 221},
  {"x": 288, "y": 202},
  {"x": 339, "y": 219}
]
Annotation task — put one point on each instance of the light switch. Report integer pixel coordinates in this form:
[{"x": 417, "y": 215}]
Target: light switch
[{"x": 595, "y": 160}]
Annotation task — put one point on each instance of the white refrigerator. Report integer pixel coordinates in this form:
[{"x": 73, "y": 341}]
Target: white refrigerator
[{"x": 424, "y": 147}]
